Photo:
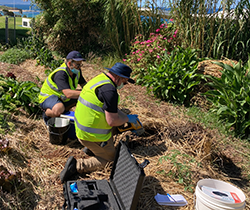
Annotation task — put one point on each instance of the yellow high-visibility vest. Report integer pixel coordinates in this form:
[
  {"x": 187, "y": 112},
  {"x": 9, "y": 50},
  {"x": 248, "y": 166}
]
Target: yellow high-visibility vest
[
  {"x": 90, "y": 121},
  {"x": 50, "y": 88}
]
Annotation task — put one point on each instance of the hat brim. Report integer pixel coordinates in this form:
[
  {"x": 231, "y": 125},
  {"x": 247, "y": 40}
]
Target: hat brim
[
  {"x": 78, "y": 59},
  {"x": 130, "y": 80}
]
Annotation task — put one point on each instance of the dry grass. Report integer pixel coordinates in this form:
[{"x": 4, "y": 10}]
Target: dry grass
[
  {"x": 207, "y": 67},
  {"x": 167, "y": 129}
]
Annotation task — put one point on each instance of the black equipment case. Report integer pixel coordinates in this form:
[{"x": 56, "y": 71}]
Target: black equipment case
[{"x": 121, "y": 192}]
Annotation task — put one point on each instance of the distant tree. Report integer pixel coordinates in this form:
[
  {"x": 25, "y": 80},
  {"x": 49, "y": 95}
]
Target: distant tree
[
  {"x": 91, "y": 26},
  {"x": 8, "y": 13},
  {"x": 71, "y": 25},
  {"x": 11, "y": 14},
  {"x": 5, "y": 11}
]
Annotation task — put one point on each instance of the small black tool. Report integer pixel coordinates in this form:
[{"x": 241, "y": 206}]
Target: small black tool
[{"x": 144, "y": 163}]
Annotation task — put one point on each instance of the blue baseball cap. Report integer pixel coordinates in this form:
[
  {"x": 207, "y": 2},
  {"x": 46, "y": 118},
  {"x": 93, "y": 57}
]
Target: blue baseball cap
[
  {"x": 122, "y": 70},
  {"x": 75, "y": 55}
]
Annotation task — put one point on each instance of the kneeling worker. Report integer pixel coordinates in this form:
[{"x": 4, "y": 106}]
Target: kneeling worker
[
  {"x": 95, "y": 115},
  {"x": 58, "y": 93}
]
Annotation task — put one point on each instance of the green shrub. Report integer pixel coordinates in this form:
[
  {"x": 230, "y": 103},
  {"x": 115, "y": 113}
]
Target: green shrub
[
  {"x": 39, "y": 51},
  {"x": 32, "y": 44},
  {"x": 84, "y": 31},
  {"x": 46, "y": 58},
  {"x": 175, "y": 77},
  {"x": 15, "y": 56},
  {"x": 17, "y": 94},
  {"x": 230, "y": 96}
]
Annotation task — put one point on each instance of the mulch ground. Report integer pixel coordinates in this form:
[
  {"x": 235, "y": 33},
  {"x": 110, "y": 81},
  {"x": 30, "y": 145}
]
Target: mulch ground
[{"x": 167, "y": 130}]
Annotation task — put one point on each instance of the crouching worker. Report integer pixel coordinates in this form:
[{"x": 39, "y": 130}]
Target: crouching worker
[
  {"x": 58, "y": 93},
  {"x": 96, "y": 115}
]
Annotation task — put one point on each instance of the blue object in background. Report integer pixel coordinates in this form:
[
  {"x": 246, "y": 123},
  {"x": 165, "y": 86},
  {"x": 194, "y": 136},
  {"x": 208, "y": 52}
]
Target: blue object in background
[
  {"x": 72, "y": 131},
  {"x": 73, "y": 187}
]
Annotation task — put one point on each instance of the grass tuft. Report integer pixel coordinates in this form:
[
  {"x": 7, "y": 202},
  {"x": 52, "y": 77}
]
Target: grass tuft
[{"x": 15, "y": 56}]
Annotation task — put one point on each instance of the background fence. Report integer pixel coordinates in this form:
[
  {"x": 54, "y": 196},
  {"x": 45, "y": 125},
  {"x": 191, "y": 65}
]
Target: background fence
[{"x": 10, "y": 30}]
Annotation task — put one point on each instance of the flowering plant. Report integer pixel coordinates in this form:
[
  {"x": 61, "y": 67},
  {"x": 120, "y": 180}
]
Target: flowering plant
[{"x": 151, "y": 50}]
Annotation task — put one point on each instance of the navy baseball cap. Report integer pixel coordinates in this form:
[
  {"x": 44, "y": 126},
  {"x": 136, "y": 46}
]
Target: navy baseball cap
[
  {"x": 122, "y": 70},
  {"x": 75, "y": 55}
]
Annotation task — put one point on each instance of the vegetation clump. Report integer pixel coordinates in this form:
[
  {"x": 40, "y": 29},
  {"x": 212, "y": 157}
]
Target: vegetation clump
[
  {"x": 15, "y": 56},
  {"x": 230, "y": 97},
  {"x": 15, "y": 94}
]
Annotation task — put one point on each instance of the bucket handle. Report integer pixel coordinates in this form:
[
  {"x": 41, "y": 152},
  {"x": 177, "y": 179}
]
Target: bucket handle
[
  {"x": 194, "y": 201},
  {"x": 59, "y": 133}
]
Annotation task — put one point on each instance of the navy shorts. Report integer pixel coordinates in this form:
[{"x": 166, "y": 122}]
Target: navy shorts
[{"x": 53, "y": 100}]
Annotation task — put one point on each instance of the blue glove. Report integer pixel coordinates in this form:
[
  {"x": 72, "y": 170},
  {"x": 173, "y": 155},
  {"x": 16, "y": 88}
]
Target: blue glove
[{"x": 132, "y": 118}]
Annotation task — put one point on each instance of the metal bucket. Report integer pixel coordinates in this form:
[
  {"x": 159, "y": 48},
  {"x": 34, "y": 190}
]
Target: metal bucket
[{"x": 58, "y": 130}]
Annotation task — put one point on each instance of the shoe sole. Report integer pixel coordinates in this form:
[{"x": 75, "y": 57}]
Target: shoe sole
[{"x": 64, "y": 171}]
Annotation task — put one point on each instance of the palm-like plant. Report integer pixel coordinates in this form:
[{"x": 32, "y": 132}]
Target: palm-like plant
[{"x": 230, "y": 96}]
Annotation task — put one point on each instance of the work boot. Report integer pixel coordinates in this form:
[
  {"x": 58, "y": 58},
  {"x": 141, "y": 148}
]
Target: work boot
[
  {"x": 88, "y": 151},
  {"x": 69, "y": 169}
]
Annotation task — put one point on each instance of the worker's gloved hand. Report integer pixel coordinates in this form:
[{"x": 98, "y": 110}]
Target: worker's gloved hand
[
  {"x": 132, "y": 118},
  {"x": 135, "y": 132}
]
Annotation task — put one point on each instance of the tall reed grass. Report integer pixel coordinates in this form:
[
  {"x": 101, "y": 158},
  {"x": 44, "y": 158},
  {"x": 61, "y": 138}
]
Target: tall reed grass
[
  {"x": 125, "y": 19},
  {"x": 116, "y": 23},
  {"x": 217, "y": 35}
]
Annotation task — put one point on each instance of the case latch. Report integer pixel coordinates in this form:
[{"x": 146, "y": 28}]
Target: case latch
[{"x": 144, "y": 164}]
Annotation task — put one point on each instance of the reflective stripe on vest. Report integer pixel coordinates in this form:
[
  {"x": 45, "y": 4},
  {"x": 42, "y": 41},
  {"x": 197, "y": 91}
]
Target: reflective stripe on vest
[
  {"x": 50, "y": 85},
  {"x": 99, "y": 83},
  {"x": 92, "y": 130},
  {"x": 90, "y": 121},
  {"x": 90, "y": 105},
  {"x": 44, "y": 94}
]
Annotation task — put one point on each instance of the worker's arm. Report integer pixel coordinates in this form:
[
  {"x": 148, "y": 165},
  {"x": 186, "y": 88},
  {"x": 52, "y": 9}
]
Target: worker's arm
[
  {"x": 116, "y": 119},
  {"x": 62, "y": 81},
  {"x": 72, "y": 94}
]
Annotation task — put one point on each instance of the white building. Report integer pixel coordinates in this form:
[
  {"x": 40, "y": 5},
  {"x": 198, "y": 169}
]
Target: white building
[{"x": 26, "y": 22}]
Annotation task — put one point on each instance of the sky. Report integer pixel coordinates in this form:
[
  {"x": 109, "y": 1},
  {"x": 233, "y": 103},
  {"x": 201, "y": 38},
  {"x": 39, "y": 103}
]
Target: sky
[
  {"x": 14, "y": 2},
  {"x": 29, "y": 1}
]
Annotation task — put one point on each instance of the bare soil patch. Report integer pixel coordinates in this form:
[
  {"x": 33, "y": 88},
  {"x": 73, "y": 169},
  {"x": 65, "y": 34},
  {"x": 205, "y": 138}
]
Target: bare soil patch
[{"x": 167, "y": 129}]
